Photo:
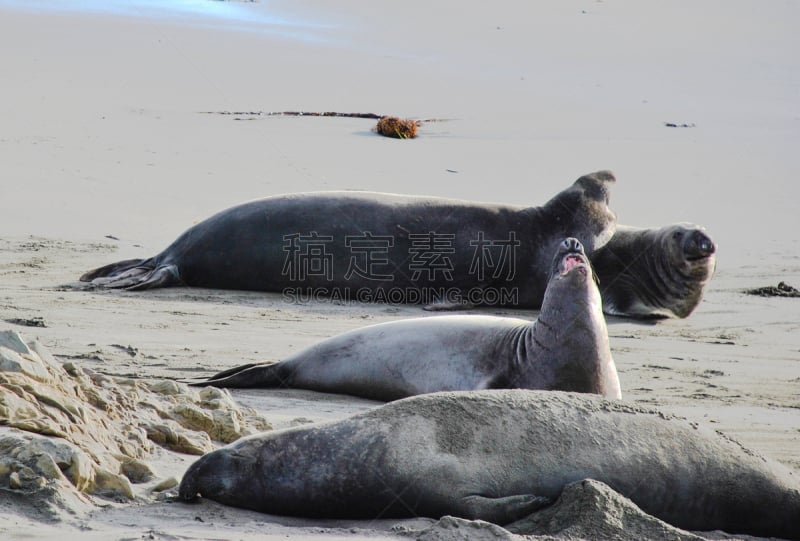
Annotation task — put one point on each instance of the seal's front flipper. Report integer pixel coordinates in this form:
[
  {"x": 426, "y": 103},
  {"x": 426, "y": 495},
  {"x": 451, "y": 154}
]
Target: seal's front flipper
[
  {"x": 248, "y": 375},
  {"x": 503, "y": 510}
]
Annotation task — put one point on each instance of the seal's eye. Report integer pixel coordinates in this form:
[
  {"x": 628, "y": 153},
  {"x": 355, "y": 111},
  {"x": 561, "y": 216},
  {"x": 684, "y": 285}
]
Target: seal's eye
[{"x": 677, "y": 235}]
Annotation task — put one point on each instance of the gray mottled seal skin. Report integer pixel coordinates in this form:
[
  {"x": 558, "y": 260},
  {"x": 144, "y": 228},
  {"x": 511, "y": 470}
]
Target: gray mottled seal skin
[
  {"x": 654, "y": 272},
  {"x": 567, "y": 348},
  {"x": 426, "y": 245},
  {"x": 499, "y": 455}
]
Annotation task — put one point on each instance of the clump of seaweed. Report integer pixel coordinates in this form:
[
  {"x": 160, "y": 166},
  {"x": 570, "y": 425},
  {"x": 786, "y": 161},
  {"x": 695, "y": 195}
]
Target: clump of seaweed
[
  {"x": 782, "y": 290},
  {"x": 388, "y": 126},
  {"x": 399, "y": 128}
]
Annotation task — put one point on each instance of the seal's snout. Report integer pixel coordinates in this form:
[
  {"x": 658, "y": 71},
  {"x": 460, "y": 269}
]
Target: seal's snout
[
  {"x": 188, "y": 490},
  {"x": 698, "y": 245},
  {"x": 216, "y": 474},
  {"x": 572, "y": 245},
  {"x": 571, "y": 255}
]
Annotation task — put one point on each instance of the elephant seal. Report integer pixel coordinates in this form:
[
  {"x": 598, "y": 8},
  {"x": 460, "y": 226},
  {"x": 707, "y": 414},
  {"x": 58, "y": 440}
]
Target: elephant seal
[
  {"x": 499, "y": 455},
  {"x": 378, "y": 247},
  {"x": 655, "y": 272},
  {"x": 566, "y": 348}
]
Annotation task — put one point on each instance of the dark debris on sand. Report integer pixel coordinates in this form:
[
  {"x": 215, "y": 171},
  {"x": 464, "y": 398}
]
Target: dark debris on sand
[
  {"x": 781, "y": 290},
  {"x": 27, "y": 322}
]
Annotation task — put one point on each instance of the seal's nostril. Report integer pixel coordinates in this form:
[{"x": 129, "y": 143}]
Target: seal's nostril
[{"x": 572, "y": 244}]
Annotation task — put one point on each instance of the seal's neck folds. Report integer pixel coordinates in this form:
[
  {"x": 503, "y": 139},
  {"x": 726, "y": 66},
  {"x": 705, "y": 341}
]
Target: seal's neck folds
[{"x": 571, "y": 337}]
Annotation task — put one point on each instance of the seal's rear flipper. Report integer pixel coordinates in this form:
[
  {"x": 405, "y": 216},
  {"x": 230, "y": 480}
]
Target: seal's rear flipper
[
  {"x": 163, "y": 276},
  {"x": 248, "y": 375},
  {"x": 134, "y": 277},
  {"x": 503, "y": 510},
  {"x": 111, "y": 270},
  {"x": 442, "y": 306}
]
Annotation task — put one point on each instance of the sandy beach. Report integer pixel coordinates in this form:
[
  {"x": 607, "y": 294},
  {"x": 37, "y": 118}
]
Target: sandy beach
[{"x": 125, "y": 123}]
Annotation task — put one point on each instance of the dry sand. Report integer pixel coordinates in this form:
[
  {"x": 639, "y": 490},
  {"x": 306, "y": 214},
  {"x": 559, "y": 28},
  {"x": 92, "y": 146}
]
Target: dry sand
[{"x": 105, "y": 134}]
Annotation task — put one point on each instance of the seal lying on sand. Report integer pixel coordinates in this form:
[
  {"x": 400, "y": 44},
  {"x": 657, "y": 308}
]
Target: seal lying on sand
[
  {"x": 654, "y": 272},
  {"x": 566, "y": 348},
  {"x": 385, "y": 247},
  {"x": 500, "y": 455}
]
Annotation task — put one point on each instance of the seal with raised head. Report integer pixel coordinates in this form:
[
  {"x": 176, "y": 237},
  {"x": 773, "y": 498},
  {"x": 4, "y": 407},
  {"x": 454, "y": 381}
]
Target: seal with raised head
[
  {"x": 659, "y": 272},
  {"x": 566, "y": 348},
  {"x": 379, "y": 247},
  {"x": 499, "y": 455}
]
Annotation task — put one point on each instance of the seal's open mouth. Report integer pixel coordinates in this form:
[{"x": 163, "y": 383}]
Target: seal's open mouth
[
  {"x": 570, "y": 255},
  {"x": 572, "y": 261}
]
